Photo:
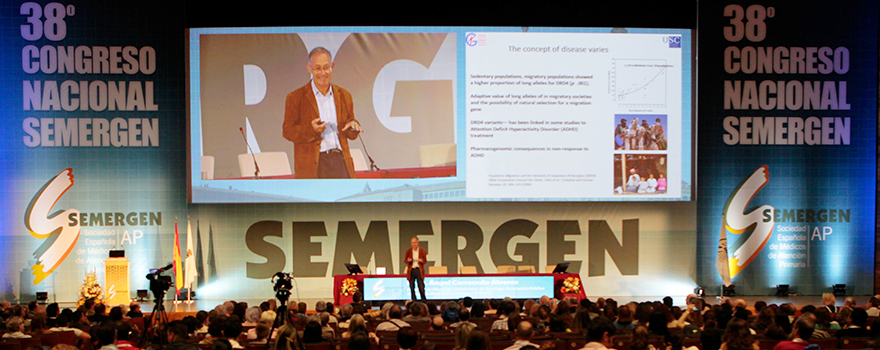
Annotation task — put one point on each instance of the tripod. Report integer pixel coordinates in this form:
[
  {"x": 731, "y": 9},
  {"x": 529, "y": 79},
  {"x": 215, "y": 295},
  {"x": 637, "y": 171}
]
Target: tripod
[{"x": 159, "y": 315}]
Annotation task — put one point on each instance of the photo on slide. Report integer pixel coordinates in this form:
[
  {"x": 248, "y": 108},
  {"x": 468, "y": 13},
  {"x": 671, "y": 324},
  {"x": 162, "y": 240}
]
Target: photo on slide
[
  {"x": 640, "y": 132},
  {"x": 639, "y": 174}
]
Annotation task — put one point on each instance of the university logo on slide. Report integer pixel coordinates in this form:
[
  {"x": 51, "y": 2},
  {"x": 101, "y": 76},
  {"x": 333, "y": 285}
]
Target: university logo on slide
[
  {"x": 471, "y": 39},
  {"x": 60, "y": 236},
  {"x": 750, "y": 228}
]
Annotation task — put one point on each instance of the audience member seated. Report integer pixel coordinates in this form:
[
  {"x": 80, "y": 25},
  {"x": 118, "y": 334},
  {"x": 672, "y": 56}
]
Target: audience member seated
[
  {"x": 828, "y": 301},
  {"x": 251, "y": 316},
  {"x": 327, "y": 331},
  {"x": 407, "y": 338},
  {"x": 38, "y": 326},
  {"x": 640, "y": 339},
  {"x": 737, "y": 336},
  {"x": 802, "y": 330},
  {"x": 504, "y": 311},
  {"x": 450, "y": 312},
  {"x": 464, "y": 317},
  {"x": 124, "y": 341},
  {"x": 462, "y": 332},
  {"x": 61, "y": 325},
  {"x": 359, "y": 341},
  {"x": 417, "y": 313},
  {"x": 855, "y": 325},
  {"x": 106, "y": 334},
  {"x": 522, "y": 336},
  {"x": 358, "y": 324},
  {"x": 134, "y": 310},
  {"x": 15, "y": 328},
  {"x": 231, "y": 330},
  {"x": 267, "y": 318},
  {"x": 437, "y": 323},
  {"x": 600, "y": 334},
  {"x": 312, "y": 332},
  {"x": 395, "y": 322},
  {"x": 176, "y": 333},
  {"x": 874, "y": 307},
  {"x": 478, "y": 340},
  {"x": 287, "y": 339}
]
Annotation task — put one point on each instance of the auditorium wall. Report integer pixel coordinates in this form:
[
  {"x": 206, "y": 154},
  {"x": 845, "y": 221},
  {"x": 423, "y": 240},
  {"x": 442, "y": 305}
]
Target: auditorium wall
[{"x": 94, "y": 159}]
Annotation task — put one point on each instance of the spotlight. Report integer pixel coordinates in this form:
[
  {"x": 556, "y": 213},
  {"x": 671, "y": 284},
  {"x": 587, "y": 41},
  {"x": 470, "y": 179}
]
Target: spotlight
[
  {"x": 699, "y": 292},
  {"x": 782, "y": 290},
  {"x": 142, "y": 294},
  {"x": 42, "y": 297},
  {"x": 839, "y": 290},
  {"x": 728, "y": 291}
]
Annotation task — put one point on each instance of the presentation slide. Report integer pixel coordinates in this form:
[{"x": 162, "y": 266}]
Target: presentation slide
[
  {"x": 451, "y": 288},
  {"x": 558, "y": 117},
  {"x": 410, "y": 114}
]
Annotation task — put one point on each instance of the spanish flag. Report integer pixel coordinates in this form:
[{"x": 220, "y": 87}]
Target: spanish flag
[{"x": 178, "y": 264}]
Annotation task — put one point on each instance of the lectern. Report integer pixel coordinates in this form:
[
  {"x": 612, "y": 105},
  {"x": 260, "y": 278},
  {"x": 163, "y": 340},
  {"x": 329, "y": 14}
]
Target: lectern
[{"x": 116, "y": 278}]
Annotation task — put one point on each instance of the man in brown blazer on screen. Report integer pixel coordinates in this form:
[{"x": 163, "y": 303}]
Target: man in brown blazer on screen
[
  {"x": 319, "y": 120},
  {"x": 415, "y": 259}
]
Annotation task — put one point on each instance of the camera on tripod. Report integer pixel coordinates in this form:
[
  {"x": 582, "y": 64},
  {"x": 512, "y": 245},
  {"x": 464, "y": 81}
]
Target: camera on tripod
[
  {"x": 282, "y": 285},
  {"x": 158, "y": 283}
]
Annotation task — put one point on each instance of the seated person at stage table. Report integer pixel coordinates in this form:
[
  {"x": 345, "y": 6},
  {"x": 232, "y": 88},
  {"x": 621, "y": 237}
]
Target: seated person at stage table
[
  {"x": 415, "y": 259},
  {"x": 319, "y": 120}
]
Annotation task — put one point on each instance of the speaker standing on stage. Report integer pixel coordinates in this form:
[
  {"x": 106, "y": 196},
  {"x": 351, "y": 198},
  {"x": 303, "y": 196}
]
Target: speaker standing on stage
[{"x": 415, "y": 259}]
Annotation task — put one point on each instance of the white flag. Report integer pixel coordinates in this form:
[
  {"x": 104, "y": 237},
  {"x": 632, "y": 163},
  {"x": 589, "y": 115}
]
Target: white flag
[
  {"x": 722, "y": 263},
  {"x": 190, "y": 263}
]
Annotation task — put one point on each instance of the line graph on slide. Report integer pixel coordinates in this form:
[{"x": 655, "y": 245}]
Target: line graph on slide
[{"x": 639, "y": 82}]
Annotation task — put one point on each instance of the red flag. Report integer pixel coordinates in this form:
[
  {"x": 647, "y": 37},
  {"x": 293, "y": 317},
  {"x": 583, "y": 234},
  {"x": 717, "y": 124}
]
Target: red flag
[{"x": 178, "y": 264}]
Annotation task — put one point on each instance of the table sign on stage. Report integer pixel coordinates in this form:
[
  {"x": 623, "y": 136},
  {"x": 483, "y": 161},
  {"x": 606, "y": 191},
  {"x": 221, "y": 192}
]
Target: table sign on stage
[{"x": 450, "y": 287}]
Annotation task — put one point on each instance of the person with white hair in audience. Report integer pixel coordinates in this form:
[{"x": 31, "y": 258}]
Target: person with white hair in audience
[
  {"x": 828, "y": 301},
  {"x": 267, "y": 318},
  {"x": 15, "y": 328}
]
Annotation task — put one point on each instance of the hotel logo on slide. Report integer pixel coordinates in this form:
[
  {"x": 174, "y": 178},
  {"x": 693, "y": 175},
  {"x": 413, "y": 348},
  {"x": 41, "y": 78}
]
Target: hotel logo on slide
[
  {"x": 753, "y": 232},
  {"x": 60, "y": 235}
]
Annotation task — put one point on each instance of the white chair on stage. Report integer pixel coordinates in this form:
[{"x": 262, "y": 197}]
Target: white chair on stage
[
  {"x": 467, "y": 270},
  {"x": 271, "y": 164},
  {"x": 437, "y": 155},
  {"x": 506, "y": 269},
  {"x": 207, "y": 168},
  {"x": 438, "y": 270},
  {"x": 525, "y": 269}
]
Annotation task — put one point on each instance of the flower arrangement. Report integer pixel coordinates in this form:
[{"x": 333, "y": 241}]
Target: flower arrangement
[
  {"x": 571, "y": 285},
  {"x": 349, "y": 287},
  {"x": 90, "y": 289}
]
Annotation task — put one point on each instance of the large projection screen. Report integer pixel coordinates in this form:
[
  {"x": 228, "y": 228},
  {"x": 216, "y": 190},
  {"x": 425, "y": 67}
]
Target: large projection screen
[{"x": 447, "y": 113}]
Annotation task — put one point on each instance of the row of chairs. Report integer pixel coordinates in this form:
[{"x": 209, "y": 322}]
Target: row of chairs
[
  {"x": 278, "y": 164},
  {"x": 42, "y": 340},
  {"x": 828, "y": 343}
]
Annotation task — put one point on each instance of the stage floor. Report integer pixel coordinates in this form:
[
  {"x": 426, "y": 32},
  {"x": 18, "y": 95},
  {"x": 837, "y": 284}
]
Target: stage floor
[{"x": 208, "y": 304}]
